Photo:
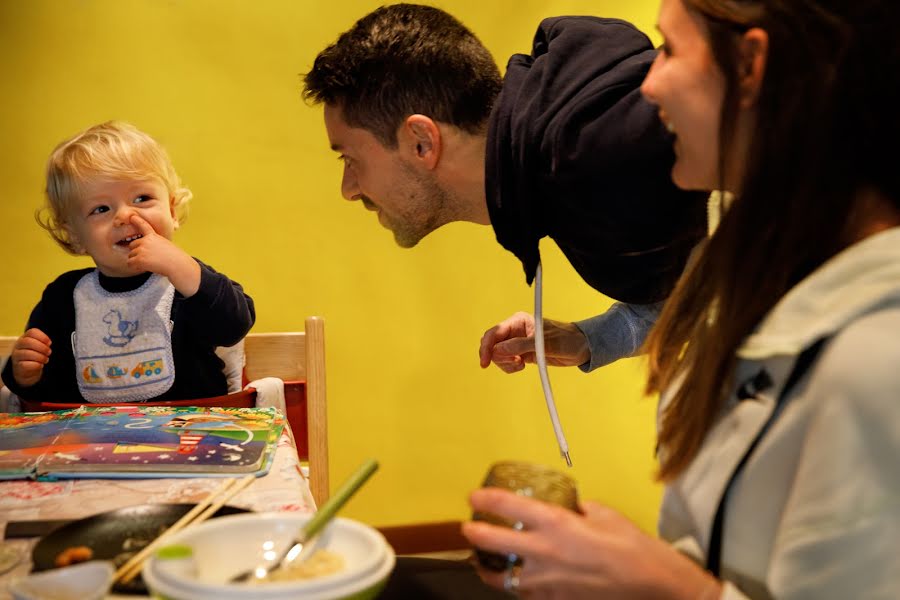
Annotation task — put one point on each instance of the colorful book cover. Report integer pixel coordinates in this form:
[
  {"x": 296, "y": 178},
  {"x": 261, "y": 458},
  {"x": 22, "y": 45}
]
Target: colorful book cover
[{"x": 138, "y": 441}]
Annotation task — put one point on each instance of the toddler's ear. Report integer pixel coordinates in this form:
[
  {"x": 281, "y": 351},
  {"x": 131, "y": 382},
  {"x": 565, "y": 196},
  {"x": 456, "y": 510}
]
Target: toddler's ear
[
  {"x": 74, "y": 244},
  {"x": 172, "y": 209}
]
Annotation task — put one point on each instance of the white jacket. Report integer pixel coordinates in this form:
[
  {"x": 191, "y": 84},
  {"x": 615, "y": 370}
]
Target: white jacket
[{"x": 815, "y": 512}]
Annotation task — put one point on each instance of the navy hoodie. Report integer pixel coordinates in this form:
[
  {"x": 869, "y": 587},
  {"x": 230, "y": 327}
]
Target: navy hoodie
[{"x": 575, "y": 152}]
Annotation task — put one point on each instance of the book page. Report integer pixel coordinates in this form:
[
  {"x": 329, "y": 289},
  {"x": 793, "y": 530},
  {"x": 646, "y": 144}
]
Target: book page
[{"x": 152, "y": 441}]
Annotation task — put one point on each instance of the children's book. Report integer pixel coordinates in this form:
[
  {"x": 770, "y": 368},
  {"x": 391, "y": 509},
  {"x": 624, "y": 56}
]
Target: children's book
[{"x": 138, "y": 442}]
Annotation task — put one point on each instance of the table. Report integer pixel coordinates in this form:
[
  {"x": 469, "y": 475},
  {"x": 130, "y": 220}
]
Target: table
[
  {"x": 284, "y": 488},
  {"x": 437, "y": 579}
]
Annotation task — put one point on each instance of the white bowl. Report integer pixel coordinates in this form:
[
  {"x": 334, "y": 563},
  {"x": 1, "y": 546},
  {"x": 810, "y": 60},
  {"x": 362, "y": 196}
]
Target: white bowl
[
  {"x": 226, "y": 546},
  {"x": 85, "y": 581}
]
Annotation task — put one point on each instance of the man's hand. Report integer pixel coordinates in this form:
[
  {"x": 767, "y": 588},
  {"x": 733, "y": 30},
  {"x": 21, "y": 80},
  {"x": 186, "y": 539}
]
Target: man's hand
[
  {"x": 156, "y": 254},
  {"x": 510, "y": 344},
  {"x": 29, "y": 355}
]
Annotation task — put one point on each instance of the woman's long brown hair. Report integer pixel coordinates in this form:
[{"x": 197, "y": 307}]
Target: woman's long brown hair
[{"x": 827, "y": 127}]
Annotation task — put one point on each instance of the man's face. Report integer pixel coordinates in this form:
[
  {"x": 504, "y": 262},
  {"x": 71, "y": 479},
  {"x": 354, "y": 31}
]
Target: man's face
[{"x": 407, "y": 199}]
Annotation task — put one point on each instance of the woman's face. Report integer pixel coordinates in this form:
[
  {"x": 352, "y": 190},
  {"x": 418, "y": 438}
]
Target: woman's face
[{"x": 689, "y": 88}]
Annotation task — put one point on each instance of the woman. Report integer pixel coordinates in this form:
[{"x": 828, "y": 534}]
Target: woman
[{"x": 777, "y": 355}]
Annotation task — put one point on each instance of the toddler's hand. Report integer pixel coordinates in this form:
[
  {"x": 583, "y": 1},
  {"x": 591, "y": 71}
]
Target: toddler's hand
[
  {"x": 156, "y": 254},
  {"x": 152, "y": 252},
  {"x": 29, "y": 355}
]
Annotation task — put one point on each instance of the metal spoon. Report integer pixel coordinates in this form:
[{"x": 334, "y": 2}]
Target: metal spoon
[{"x": 306, "y": 540}]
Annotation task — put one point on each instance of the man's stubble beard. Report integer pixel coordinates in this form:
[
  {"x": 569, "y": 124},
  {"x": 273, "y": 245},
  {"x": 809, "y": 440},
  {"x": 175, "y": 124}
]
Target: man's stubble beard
[{"x": 428, "y": 209}]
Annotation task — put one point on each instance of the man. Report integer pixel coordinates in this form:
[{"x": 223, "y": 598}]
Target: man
[{"x": 565, "y": 146}]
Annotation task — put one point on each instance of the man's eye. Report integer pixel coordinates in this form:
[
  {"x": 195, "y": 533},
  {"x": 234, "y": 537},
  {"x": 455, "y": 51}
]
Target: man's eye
[{"x": 98, "y": 210}]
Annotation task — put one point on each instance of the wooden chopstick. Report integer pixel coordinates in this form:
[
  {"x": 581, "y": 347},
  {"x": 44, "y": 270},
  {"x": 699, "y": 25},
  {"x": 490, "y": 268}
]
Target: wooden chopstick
[
  {"x": 201, "y": 512},
  {"x": 126, "y": 572}
]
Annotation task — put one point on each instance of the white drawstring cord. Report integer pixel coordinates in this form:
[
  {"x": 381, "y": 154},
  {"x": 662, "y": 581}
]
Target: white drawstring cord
[{"x": 542, "y": 367}]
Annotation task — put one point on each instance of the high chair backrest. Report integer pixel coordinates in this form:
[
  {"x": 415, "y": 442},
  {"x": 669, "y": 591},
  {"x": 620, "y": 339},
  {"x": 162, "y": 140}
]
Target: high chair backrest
[
  {"x": 6, "y": 346},
  {"x": 298, "y": 358}
]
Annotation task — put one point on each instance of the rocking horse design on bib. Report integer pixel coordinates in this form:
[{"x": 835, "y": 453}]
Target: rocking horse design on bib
[{"x": 120, "y": 331}]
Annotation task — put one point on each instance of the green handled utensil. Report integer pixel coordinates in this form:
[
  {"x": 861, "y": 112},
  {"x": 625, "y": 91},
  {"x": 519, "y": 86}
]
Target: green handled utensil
[{"x": 305, "y": 542}]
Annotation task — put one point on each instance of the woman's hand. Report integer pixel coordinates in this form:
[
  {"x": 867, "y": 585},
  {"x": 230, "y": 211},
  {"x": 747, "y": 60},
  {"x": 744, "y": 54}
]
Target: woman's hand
[
  {"x": 510, "y": 344},
  {"x": 599, "y": 554}
]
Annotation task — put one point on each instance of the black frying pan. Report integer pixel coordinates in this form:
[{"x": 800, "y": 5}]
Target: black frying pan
[{"x": 115, "y": 535}]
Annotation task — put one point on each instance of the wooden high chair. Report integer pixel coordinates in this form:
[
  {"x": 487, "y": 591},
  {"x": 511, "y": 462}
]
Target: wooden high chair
[
  {"x": 297, "y": 358},
  {"x": 6, "y": 346}
]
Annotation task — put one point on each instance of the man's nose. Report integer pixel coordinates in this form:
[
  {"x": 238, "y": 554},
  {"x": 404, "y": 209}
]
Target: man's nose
[{"x": 349, "y": 186}]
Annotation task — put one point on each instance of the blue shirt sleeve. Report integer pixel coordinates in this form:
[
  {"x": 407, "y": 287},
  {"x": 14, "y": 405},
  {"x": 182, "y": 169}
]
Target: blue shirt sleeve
[{"x": 617, "y": 333}]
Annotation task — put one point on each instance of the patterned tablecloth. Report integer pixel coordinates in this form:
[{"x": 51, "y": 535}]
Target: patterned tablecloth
[{"x": 284, "y": 488}]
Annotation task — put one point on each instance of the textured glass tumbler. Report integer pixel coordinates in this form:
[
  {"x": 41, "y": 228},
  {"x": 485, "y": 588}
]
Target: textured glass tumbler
[{"x": 525, "y": 479}]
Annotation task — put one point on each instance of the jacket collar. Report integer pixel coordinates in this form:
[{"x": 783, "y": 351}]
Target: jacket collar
[{"x": 849, "y": 284}]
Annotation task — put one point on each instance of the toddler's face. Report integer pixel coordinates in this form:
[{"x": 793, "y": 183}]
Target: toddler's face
[{"x": 100, "y": 220}]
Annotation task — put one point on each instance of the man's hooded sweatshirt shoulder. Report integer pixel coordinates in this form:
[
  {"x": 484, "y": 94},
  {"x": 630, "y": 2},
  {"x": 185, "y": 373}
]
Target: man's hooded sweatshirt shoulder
[{"x": 576, "y": 153}]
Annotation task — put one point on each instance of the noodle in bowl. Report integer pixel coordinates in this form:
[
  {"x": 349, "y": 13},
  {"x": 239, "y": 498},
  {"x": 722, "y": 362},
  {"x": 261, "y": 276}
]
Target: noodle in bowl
[{"x": 352, "y": 560}]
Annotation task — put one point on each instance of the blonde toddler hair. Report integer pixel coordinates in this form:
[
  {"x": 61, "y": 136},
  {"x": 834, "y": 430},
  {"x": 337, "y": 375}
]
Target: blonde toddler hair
[{"x": 113, "y": 150}]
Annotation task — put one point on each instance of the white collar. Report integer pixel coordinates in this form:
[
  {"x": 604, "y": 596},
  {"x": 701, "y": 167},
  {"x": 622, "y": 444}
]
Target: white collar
[{"x": 849, "y": 284}]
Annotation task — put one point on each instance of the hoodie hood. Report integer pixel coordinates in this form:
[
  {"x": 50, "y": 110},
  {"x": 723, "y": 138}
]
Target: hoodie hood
[{"x": 575, "y": 152}]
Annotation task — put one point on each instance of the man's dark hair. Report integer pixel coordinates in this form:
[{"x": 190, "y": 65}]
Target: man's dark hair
[{"x": 401, "y": 60}]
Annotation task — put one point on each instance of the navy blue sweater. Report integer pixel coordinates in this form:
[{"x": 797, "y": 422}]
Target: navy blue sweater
[
  {"x": 219, "y": 314},
  {"x": 575, "y": 152}
]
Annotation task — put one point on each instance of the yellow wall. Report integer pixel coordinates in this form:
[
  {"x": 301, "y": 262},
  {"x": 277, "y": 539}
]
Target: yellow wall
[{"x": 217, "y": 82}]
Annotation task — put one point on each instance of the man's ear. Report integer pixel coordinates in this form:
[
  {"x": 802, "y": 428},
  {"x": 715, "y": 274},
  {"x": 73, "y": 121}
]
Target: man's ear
[
  {"x": 754, "y": 53},
  {"x": 420, "y": 140}
]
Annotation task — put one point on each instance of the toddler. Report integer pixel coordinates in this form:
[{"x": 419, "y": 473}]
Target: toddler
[{"x": 143, "y": 324}]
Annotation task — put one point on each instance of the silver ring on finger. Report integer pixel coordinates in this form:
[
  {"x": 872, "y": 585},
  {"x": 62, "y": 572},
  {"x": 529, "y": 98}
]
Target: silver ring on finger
[{"x": 511, "y": 579}]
